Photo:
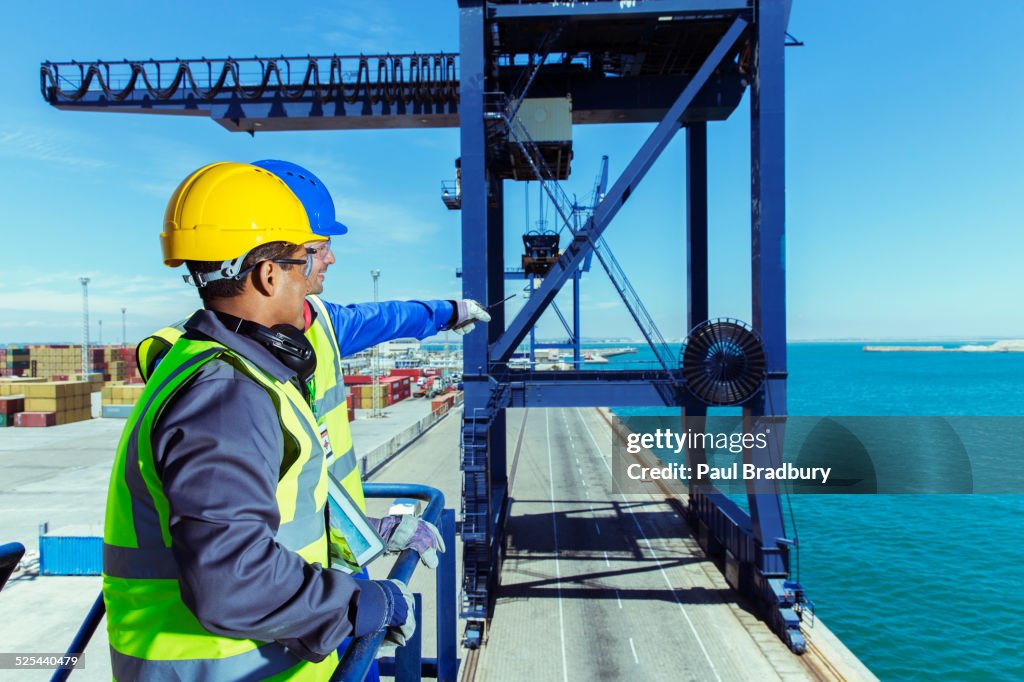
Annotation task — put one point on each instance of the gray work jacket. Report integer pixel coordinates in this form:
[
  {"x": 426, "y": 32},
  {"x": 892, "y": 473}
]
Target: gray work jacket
[{"x": 218, "y": 447}]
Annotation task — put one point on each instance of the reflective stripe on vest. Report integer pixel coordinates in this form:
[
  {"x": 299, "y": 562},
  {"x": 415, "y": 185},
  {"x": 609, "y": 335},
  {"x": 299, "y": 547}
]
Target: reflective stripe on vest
[
  {"x": 153, "y": 635},
  {"x": 332, "y": 410},
  {"x": 257, "y": 664},
  {"x": 152, "y": 349}
]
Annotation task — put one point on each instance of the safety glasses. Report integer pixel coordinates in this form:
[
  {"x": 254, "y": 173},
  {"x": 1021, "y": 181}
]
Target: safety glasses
[
  {"x": 231, "y": 271},
  {"x": 321, "y": 250},
  {"x": 307, "y": 261}
]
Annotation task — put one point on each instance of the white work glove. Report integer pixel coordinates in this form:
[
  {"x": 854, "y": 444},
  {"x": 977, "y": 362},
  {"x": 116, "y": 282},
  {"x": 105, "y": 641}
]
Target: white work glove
[
  {"x": 468, "y": 313},
  {"x": 398, "y": 635},
  {"x": 405, "y": 531}
]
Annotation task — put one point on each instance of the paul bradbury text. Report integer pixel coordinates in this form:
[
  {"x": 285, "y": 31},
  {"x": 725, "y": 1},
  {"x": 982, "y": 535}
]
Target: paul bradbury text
[{"x": 734, "y": 472}]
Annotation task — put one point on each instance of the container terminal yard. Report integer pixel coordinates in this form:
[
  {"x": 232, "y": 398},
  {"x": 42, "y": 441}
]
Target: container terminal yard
[{"x": 549, "y": 574}]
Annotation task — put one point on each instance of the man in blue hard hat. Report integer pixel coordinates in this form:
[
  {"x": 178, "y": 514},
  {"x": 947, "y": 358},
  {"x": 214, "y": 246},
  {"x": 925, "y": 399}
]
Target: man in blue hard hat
[{"x": 346, "y": 330}]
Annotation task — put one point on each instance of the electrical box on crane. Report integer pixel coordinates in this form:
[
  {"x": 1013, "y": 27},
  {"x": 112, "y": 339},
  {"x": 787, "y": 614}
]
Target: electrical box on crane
[{"x": 546, "y": 124}]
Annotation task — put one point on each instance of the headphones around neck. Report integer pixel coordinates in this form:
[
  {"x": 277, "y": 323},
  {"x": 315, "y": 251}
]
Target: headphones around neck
[{"x": 288, "y": 344}]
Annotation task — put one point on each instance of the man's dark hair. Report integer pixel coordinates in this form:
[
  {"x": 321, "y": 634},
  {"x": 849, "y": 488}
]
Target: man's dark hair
[{"x": 229, "y": 288}]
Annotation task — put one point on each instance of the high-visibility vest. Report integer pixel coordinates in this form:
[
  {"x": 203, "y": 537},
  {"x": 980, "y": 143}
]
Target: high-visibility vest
[
  {"x": 152, "y": 633},
  {"x": 329, "y": 402},
  {"x": 329, "y": 392}
]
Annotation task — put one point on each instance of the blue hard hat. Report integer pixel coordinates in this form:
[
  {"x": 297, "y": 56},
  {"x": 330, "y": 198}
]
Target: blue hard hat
[{"x": 310, "y": 191}]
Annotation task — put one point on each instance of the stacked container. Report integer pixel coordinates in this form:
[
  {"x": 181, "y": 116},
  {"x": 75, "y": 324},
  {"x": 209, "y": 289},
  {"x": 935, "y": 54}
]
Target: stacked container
[
  {"x": 62, "y": 362},
  {"x": 56, "y": 361},
  {"x": 10, "y": 405},
  {"x": 398, "y": 387},
  {"x": 17, "y": 361},
  {"x": 53, "y": 403},
  {"x": 121, "y": 394},
  {"x": 362, "y": 396}
]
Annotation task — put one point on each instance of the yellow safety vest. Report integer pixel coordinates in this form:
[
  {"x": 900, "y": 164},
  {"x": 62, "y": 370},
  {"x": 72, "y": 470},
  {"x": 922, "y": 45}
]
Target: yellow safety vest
[
  {"x": 329, "y": 392},
  {"x": 153, "y": 634},
  {"x": 329, "y": 402}
]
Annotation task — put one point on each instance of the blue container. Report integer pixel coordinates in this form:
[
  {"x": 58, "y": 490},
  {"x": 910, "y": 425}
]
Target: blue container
[
  {"x": 73, "y": 550},
  {"x": 116, "y": 411}
]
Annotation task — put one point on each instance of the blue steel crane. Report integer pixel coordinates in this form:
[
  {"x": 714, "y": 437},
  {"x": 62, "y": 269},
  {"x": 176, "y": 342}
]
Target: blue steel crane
[
  {"x": 541, "y": 251},
  {"x": 677, "y": 63}
]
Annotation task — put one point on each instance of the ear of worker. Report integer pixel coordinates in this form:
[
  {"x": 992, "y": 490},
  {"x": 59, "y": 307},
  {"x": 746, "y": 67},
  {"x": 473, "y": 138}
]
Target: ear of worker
[
  {"x": 405, "y": 531},
  {"x": 466, "y": 314}
]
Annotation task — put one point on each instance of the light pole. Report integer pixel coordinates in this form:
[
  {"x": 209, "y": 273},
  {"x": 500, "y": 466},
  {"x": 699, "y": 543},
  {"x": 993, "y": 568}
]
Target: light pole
[
  {"x": 374, "y": 363},
  {"x": 99, "y": 341},
  {"x": 124, "y": 333},
  {"x": 85, "y": 324}
]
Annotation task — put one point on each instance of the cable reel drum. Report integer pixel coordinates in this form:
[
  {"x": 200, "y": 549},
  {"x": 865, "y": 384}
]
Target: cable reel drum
[{"x": 723, "y": 362}]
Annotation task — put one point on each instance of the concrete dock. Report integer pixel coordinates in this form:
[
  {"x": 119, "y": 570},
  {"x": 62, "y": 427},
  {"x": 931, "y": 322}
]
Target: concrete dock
[{"x": 594, "y": 585}]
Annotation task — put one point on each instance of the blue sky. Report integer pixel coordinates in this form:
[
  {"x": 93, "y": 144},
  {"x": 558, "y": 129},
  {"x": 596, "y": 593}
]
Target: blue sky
[{"x": 903, "y": 157}]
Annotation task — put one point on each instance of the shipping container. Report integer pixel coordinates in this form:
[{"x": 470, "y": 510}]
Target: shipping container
[
  {"x": 116, "y": 411},
  {"x": 12, "y": 404},
  {"x": 73, "y": 550},
  {"x": 35, "y": 419}
]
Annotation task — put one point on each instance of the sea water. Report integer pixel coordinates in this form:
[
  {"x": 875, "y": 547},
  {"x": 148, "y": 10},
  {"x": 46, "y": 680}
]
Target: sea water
[{"x": 917, "y": 586}]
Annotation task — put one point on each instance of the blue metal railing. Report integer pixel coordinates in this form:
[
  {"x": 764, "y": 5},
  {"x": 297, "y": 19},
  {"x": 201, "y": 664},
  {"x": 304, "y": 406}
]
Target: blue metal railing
[
  {"x": 408, "y": 663},
  {"x": 360, "y": 654},
  {"x": 82, "y": 637},
  {"x": 10, "y": 555}
]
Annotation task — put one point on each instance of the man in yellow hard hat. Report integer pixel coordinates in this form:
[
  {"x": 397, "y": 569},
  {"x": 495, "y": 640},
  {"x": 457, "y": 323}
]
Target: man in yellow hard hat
[
  {"x": 338, "y": 331},
  {"x": 215, "y": 539}
]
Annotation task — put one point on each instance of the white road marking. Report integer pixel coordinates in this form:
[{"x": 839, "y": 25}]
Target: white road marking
[
  {"x": 597, "y": 528},
  {"x": 600, "y": 452},
  {"x": 617, "y": 599},
  {"x": 606, "y": 562},
  {"x": 657, "y": 561},
  {"x": 554, "y": 527},
  {"x": 633, "y": 649}
]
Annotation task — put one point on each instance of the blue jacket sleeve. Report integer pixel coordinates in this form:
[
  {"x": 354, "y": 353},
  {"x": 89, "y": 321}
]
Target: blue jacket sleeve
[
  {"x": 362, "y": 325},
  {"x": 220, "y": 481}
]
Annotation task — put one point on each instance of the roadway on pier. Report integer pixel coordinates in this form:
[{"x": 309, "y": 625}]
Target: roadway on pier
[{"x": 595, "y": 585}]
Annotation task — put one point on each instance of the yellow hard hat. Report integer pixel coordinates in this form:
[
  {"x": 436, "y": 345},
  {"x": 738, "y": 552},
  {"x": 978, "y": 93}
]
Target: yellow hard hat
[{"x": 226, "y": 209}]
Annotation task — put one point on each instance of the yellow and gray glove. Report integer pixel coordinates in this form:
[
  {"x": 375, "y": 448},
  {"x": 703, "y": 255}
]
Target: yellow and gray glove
[{"x": 405, "y": 531}]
